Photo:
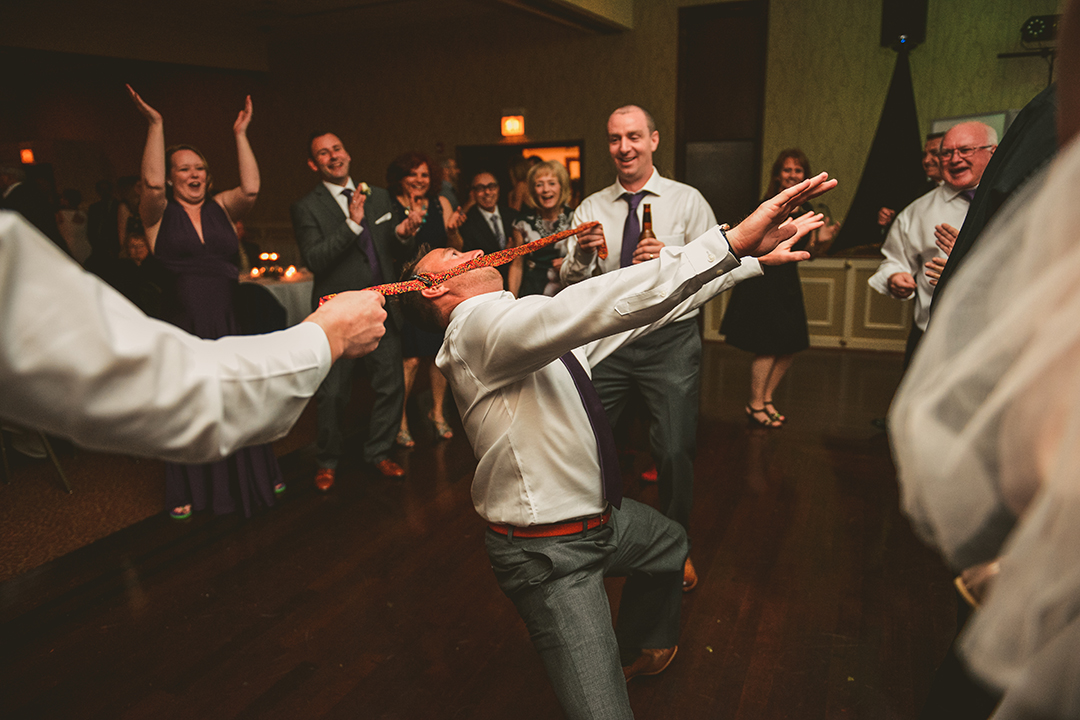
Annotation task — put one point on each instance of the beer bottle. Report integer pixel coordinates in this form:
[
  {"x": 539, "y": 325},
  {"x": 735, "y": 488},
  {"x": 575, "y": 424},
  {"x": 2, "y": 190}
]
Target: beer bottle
[{"x": 646, "y": 224}]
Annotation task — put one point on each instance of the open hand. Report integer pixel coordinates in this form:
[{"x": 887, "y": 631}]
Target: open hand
[
  {"x": 152, "y": 115},
  {"x": 243, "y": 119},
  {"x": 356, "y": 206},
  {"x": 765, "y": 228},
  {"x": 801, "y": 225},
  {"x": 934, "y": 269},
  {"x": 456, "y": 219},
  {"x": 412, "y": 222},
  {"x": 945, "y": 237}
]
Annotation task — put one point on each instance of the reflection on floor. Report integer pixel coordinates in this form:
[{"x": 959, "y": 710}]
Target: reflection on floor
[{"x": 376, "y": 600}]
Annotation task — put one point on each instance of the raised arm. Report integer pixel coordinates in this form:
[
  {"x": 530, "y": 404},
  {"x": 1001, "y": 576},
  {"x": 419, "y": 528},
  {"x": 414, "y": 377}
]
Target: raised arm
[
  {"x": 152, "y": 201},
  {"x": 239, "y": 200},
  {"x": 452, "y": 220}
]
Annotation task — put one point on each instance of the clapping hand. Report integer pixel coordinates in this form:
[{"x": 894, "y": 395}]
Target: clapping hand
[
  {"x": 934, "y": 269},
  {"x": 412, "y": 222},
  {"x": 243, "y": 119},
  {"x": 456, "y": 220},
  {"x": 356, "y": 206},
  {"x": 945, "y": 237},
  {"x": 152, "y": 115}
]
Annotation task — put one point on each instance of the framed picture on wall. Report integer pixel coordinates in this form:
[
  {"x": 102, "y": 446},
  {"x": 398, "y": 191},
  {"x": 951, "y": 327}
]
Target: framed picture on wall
[{"x": 1000, "y": 121}]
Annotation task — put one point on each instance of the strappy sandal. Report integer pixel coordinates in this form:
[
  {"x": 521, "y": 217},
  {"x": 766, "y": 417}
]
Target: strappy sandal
[
  {"x": 752, "y": 414},
  {"x": 773, "y": 413},
  {"x": 405, "y": 439},
  {"x": 442, "y": 429},
  {"x": 180, "y": 512}
]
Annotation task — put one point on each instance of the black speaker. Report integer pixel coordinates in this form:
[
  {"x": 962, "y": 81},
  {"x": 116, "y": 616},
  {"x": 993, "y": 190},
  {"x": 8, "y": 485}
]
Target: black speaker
[{"x": 903, "y": 23}]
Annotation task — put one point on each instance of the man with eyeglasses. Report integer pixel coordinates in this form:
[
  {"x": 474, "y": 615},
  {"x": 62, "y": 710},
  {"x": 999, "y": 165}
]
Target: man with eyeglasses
[
  {"x": 927, "y": 228},
  {"x": 488, "y": 223}
]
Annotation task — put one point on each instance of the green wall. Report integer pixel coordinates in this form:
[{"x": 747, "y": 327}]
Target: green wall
[
  {"x": 827, "y": 75},
  {"x": 445, "y": 82}
]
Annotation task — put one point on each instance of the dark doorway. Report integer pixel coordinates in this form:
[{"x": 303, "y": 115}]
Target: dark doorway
[{"x": 721, "y": 100}]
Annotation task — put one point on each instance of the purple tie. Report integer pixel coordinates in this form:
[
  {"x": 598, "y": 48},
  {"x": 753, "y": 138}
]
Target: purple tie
[
  {"x": 969, "y": 194},
  {"x": 631, "y": 230},
  {"x": 605, "y": 439},
  {"x": 367, "y": 244}
]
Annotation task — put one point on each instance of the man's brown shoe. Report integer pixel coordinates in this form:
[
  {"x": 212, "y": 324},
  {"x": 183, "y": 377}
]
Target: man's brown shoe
[
  {"x": 324, "y": 479},
  {"x": 689, "y": 576},
  {"x": 389, "y": 468},
  {"x": 650, "y": 662}
]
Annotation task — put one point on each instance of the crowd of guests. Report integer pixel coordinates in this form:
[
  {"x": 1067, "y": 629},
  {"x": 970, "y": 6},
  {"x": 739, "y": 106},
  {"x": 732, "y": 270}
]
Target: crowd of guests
[{"x": 169, "y": 242}]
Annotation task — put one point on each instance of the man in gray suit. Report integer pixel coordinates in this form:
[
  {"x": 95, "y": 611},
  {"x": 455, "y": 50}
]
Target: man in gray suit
[{"x": 346, "y": 238}]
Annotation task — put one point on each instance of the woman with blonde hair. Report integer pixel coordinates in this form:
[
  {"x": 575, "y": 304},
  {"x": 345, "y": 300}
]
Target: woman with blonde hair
[{"x": 548, "y": 190}]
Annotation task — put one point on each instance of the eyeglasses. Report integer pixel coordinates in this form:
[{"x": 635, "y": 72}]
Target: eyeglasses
[
  {"x": 486, "y": 188},
  {"x": 962, "y": 152}
]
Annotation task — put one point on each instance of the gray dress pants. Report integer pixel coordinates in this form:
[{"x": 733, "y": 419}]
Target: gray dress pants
[
  {"x": 557, "y": 585},
  {"x": 665, "y": 366},
  {"x": 383, "y": 367}
]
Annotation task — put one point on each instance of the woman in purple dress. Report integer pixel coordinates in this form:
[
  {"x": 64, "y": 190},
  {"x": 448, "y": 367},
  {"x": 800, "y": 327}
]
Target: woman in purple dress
[{"x": 192, "y": 234}]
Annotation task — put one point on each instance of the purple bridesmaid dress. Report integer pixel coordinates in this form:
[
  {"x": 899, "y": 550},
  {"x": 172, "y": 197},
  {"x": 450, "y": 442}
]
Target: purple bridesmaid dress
[{"x": 205, "y": 277}]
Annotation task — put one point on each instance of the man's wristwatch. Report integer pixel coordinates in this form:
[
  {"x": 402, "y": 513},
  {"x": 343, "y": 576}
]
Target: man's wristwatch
[{"x": 723, "y": 231}]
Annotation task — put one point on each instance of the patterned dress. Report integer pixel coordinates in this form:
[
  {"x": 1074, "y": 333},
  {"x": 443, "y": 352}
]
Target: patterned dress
[{"x": 539, "y": 276}]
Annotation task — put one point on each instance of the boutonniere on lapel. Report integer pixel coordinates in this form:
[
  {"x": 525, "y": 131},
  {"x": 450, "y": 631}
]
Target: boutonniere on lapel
[{"x": 364, "y": 188}]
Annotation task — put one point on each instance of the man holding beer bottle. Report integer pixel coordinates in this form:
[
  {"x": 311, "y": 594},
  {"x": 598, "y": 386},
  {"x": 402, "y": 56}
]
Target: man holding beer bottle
[{"x": 664, "y": 364}]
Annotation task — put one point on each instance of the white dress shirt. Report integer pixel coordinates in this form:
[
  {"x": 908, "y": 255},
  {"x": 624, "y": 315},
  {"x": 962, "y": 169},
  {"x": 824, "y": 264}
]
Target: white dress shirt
[
  {"x": 343, "y": 202},
  {"x": 985, "y": 429},
  {"x": 910, "y": 244},
  {"x": 536, "y": 451},
  {"x": 679, "y": 214},
  {"x": 79, "y": 361},
  {"x": 493, "y": 220}
]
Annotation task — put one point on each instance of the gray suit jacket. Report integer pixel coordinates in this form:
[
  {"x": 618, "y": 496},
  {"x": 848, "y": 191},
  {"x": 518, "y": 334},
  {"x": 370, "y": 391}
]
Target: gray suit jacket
[{"x": 330, "y": 249}]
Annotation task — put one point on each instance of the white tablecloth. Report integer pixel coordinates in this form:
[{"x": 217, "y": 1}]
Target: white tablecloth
[{"x": 293, "y": 293}]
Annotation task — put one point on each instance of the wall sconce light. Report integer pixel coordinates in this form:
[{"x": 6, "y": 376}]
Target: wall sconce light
[
  {"x": 26, "y": 155},
  {"x": 513, "y": 125}
]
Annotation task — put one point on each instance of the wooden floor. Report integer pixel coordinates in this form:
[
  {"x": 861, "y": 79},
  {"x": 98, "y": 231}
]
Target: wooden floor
[{"x": 376, "y": 600}]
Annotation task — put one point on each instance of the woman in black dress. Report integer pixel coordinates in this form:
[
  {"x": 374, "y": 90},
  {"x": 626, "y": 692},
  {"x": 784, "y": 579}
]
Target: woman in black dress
[
  {"x": 192, "y": 233},
  {"x": 422, "y": 216},
  {"x": 766, "y": 315}
]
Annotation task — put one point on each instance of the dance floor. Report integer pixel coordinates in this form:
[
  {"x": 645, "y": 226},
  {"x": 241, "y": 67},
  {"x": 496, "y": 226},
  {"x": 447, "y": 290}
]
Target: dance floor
[{"x": 375, "y": 600}]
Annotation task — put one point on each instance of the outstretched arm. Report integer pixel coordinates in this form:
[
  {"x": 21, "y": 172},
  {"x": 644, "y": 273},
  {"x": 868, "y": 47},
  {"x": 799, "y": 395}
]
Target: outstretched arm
[
  {"x": 239, "y": 201},
  {"x": 765, "y": 228},
  {"x": 152, "y": 201}
]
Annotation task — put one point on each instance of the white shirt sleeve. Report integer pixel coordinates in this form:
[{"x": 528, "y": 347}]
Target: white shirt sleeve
[
  {"x": 899, "y": 258},
  {"x": 79, "y": 361},
  {"x": 541, "y": 329}
]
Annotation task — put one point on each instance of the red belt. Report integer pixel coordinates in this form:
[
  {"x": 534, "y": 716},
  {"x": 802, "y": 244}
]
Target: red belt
[{"x": 570, "y": 527}]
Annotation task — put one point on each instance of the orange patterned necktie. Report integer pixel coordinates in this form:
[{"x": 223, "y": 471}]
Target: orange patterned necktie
[{"x": 493, "y": 260}]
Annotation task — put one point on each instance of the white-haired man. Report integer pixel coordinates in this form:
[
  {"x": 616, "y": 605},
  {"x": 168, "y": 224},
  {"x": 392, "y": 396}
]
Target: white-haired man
[{"x": 927, "y": 228}]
